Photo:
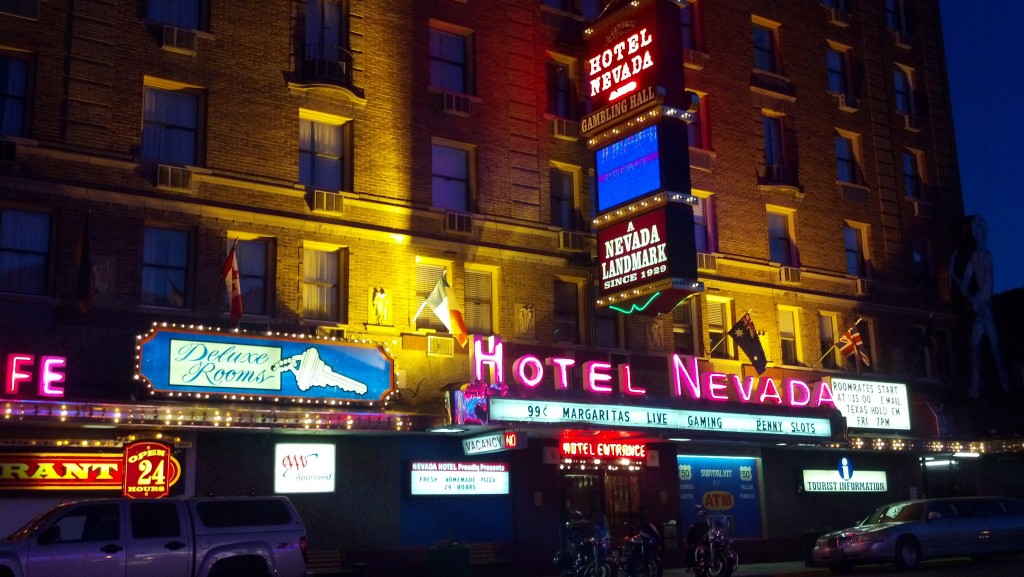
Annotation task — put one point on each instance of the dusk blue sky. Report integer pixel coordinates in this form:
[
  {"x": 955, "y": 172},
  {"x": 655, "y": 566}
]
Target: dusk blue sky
[{"x": 986, "y": 81}]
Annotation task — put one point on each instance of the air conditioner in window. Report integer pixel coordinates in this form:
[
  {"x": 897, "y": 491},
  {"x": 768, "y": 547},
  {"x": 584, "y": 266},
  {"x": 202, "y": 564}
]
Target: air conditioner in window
[
  {"x": 694, "y": 59},
  {"x": 848, "y": 102},
  {"x": 440, "y": 346},
  {"x": 571, "y": 241},
  {"x": 173, "y": 177},
  {"x": 327, "y": 201},
  {"x": 566, "y": 129},
  {"x": 179, "y": 40},
  {"x": 922, "y": 208},
  {"x": 458, "y": 222},
  {"x": 862, "y": 286},
  {"x": 789, "y": 274},
  {"x": 706, "y": 261},
  {"x": 455, "y": 104}
]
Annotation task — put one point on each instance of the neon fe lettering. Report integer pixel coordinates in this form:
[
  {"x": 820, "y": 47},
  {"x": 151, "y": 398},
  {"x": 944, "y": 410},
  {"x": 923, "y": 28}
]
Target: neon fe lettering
[
  {"x": 49, "y": 377},
  {"x": 15, "y": 375}
]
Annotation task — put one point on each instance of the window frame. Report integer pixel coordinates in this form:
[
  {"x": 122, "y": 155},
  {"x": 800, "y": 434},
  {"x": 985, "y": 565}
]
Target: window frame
[
  {"x": 852, "y": 159},
  {"x": 789, "y": 344},
  {"x": 344, "y": 158},
  {"x": 858, "y": 232},
  {"x": 685, "y": 321},
  {"x": 766, "y": 55},
  {"x": 198, "y": 97},
  {"x": 718, "y": 336},
  {"x": 169, "y": 292},
  {"x": 248, "y": 277},
  {"x": 838, "y": 68},
  {"x": 22, "y": 99},
  {"x": 704, "y": 223},
  {"x": 469, "y": 178},
  {"x": 440, "y": 62},
  {"x": 426, "y": 273},
  {"x": 787, "y": 216},
  {"x": 568, "y": 205},
  {"x": 200, "y": 23},
  {"x": 471, "y": 300},
  {"x": 700, "y": 126},
  {"x": 912, "y": 162},
  {"x": 340, "y": 285},
  {"x": 691, "y": 29},
  {"x": 562, "y": 100},
  {"x": 904, "y": 90},
  {"x": 571, "y": 313},
  {"x": 43, "y": 281},
  {"x": 829, "y": 351}
]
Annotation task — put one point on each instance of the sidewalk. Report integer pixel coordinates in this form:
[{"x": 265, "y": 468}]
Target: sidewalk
[{"x": 784, "y": 569}]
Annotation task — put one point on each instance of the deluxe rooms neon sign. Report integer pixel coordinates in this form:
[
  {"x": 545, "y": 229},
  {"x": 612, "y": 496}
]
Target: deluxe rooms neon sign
[{"x": 602, "y": 378}]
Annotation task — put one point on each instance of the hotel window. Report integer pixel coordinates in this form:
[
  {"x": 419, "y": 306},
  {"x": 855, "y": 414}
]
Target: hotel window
[
  {"x": 13, "y": 96},
  {"x": 719, "y": 317},
  {"x": 703, "y": 224},
  {"x": 697, "y": 131},
  {"x": 479, "y": 307},
  {"x": 427, "y": 276},
  {"x": 327, "y": 38},
  {"x": 789, "y": 336},
  {"x": 828, "y": 327},
  {"x": 896, "y": 20},
  {"x": 254, "y": 276},
  {"x": 911, "y": 163},
  {"x": 165, "y": 263},
  {"x": 588, "y": 9},
  {"x": 838, "y": 61},
  {"x": 855, "y": 241},
  {"x": 170, "y": 125},
  {"x": 452, "y": 180},
  {"x": 684, "y": 339},
  {"x": 779, "y": 166},
  {"x": 921, "y": 263},
  {"x": 766, "y": 47},
  {"x": 184, "y": 14},
  {"x": 567, "y": 311},
  {"x": 24, "y": 251},
  {"x": 563, "y": 182},
  {"x": 325, "y": 152},
  {"x": 903, "y": 85},
  {"x": 606, "y": 328},
  {"x": 780, "y": 238},
  {"x": 847, "y": 157},
  {"x": 324, "y": 281},
  {"x": 561, "y": 86},
  {"x": 451, "y": 59},
  {"x": 690, "y": 23}
]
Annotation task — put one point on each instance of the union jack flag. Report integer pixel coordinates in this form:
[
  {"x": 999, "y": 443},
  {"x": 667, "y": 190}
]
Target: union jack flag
[{"x": 851, "y": 343}]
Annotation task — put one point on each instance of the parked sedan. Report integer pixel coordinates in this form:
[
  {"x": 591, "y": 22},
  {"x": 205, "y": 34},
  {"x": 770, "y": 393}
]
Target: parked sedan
[{"x": 906, "y": 532}]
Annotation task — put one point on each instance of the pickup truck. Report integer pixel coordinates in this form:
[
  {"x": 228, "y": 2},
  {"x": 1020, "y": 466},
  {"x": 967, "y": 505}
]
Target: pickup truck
[{"x": 176, "y": 537}]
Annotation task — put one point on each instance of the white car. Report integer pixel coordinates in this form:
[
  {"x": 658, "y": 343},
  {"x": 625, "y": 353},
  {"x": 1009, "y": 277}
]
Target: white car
[{"x": 906, "y": 532}]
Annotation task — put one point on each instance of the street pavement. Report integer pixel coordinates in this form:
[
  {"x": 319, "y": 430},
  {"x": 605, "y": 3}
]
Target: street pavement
[{"x": 784, "y": 569}]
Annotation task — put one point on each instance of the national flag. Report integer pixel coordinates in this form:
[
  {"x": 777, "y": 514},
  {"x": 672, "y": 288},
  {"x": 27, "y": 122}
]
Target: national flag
[
  {"x": 233, "y": 283},
  {"x": 83, "y": 282},
  {"x": 851, "y": 343},
  {"x": 439, "y": 300},
  {"x": 745, "y": 335}
]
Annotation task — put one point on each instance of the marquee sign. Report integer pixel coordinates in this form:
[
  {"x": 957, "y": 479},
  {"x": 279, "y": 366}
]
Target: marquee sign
[
  {"x": 149, "y": 470},
  {"x": 844, "y": 479},
  {"x": 458, "y": 478},
  {"x": 871, "y": 404},
  {"x": 579, "y": 447},
  {"x": 179, "y": 361}
]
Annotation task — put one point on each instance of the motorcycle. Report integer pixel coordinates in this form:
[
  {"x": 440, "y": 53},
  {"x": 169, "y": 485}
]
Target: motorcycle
[
  {"x": 639, "y": 557},
  {"x": 588, "y": 551},
  {"x": 709, "y": 550}
]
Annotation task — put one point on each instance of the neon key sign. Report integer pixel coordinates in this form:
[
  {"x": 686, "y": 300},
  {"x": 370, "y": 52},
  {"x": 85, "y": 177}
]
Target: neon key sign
[{"x": 21, "y": 368}]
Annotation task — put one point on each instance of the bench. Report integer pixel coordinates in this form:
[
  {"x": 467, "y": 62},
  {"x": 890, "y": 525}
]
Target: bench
[
  {"x": 487, "y": 555},
  {"x": 327, "y": 564}
]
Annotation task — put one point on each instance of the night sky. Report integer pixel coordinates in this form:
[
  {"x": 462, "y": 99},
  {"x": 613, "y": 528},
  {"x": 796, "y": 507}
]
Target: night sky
[{"x": 986, "y": 77}]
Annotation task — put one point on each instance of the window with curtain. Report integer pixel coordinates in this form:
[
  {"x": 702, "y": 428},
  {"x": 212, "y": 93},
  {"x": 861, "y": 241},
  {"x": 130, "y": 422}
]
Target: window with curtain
[
  {"x": 689, "y": 20},
  {"x": 774, "y": 150},
  {"x": 836, "y": 61},
  {"x": 856, "y": 264},
  {"x": 567, "y": 312},
  {"x": 561, "y": 92},
  {"x": 895, "y": 17},
  {"x": 606, "y": 328},
  {"x": 450, "y": 180},
  {"x": 450, "y": 61},
  {"x": 718, "y": 326},
  {"x": 702, "y": 230},
  {"x": 426, "y": 277},
  {"x": 788, "y": 337},
  {"x": 846, "y": 159},
  {"x": 184, "y": 14},
  {"x": 684, "y": 340},
  {"x": 827, "y": 328},
  {"x": 165, "y": 267},
  {"x": 322, "y": 159},
  {"x": 695, "y": 130},
  {"x": 780, "y": 242},
  {"x": 327, "y": 30},
  {"x": 253, "y": 262},
  {"x": 170, "y": 126},
  {"x": 563, "y": 198},
  {"x": 24, "y": 252},
  {"x": 478, "y": 303},
  {"x": 13, "y": 96},
  {"x": 765, "y": 55},
  {"x": 911, "y": 175},
  {"x": 323, "y": 282}
]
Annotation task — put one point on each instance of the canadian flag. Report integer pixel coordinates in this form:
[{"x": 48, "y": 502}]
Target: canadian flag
[{"x": 232, "y": 281}]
